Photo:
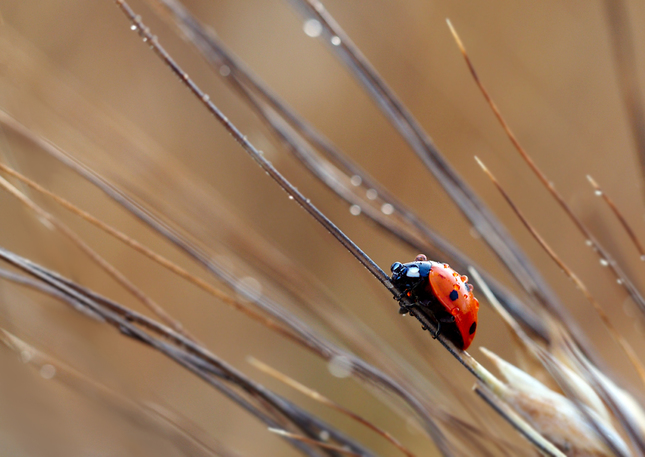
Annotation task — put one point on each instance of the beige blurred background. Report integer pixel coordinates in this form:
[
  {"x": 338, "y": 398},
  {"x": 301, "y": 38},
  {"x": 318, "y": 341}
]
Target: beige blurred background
[{"x": 74, "y": 73}]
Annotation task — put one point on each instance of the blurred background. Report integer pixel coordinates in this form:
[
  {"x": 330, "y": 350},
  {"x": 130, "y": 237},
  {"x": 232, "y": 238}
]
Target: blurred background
[{"x": 74, "y": 73}]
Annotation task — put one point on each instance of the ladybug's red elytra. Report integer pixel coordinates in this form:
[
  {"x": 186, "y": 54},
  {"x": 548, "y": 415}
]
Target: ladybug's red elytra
[{"x": 444, "y": 292}]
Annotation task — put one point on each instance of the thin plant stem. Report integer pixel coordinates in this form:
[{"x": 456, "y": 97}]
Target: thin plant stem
[
  {"x": 614, "y": 209},
  {"x": 421, "y": 314},
  {"x": 591, "y": 241},
  {"x": 625, "y": 57},
  {"x": 255, "y": 154},
  {"x": 98, "y": 259},
  {"x": 491, "y": 230},
  {"x": 322, "y": 444},
  {"x": 543, "y": 445},
  {"x": 615, "y": 334},
  {"x": 327, "y": 402}
]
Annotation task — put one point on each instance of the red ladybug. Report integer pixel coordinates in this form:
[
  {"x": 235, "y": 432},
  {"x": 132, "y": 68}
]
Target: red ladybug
[{"x": 444, "y": 292}]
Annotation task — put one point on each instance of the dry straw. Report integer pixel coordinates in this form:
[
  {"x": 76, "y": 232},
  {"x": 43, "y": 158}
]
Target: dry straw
[{"x": 560, "y": 396}]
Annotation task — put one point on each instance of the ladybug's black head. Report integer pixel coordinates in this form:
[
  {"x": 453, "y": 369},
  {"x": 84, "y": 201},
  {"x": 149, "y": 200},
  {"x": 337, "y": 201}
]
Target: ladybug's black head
[{"x": 406, "y": 276}]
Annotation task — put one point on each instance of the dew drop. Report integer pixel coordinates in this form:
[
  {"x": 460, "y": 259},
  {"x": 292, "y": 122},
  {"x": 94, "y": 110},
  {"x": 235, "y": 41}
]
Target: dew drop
[
  {"x": 224, "y": 70},
  {"x": 133, "y": 27},
  {"x": 335, "y": 41},
  {"x": 26, "y": 356},
  {"x": 371, "y": 194},
  {"x": 48, "y": 371},
  {"x": 355, "y": 210},
  {"x": 628, "y": 309},
  {"x": 323, "y": 435},
  {"x": 206, "y": 97},
  {"x": 387, "y": 209},
  {"x": 340, "y": 366},
  {"x": 290, "y": 197},
  {"x": 604, "y": 262},
  {"x": 412, "y": 426},
  {"x": 249, "y": 289},
  {"x": 619, "y": 281},
  {"x": 598, "y": 193},
  {"x": 356, "y": 180},
  {"x": 589, "y": 243},
  {"x": 312, "y": 28}
]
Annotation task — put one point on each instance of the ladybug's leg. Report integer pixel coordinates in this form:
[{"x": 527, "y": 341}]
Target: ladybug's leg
[
  {"x": 446, "y": 320},
  {"x": 435, "y": 334},
  {"x": 403, "y": 309}
]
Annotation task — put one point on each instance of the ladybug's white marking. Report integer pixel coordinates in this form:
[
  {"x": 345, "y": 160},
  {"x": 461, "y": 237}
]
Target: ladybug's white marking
[{"x": 413, "y": 272}]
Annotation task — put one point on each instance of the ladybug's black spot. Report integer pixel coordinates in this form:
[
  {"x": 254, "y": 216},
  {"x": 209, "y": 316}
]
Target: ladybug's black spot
[
  {"x": 472, "y": 328},
  {"x": 454, "y": 295}
]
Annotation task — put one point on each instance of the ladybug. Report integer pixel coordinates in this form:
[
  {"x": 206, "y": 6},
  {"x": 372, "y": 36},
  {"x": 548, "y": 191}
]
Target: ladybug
[{"x": 444, "y": 292}]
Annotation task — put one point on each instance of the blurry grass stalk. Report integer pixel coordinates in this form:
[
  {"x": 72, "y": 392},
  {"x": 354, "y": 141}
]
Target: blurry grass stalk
[{"x": 583, "y": 424}]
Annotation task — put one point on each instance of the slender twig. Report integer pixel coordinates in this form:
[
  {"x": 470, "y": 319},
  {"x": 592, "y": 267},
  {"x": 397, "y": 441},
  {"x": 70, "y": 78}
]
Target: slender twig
[
  {"x": 327, "y": 402},
  {"x": 536, "y": 439},
  {"x": 97, "y": 258},
  {"x": 614, "y": 209},
  {"x": 591, "y": 241},
  {"x": 612, "y": 395},
  {"x": 188, "y": 354},
  {"x": 254, "y": 153},
  {"x": 492, "y": 231},
  {"x": 157, "y": 420},
  {"x": 615, "y": 334},
  {"x": 159, "y": 259},
  {"x": 427, "y": 320},
  {"x": 319, "y": 443},
  {"x": 333, "y": 168},
  {"x": 614, "y": 443},
  {"x": 574, "y": 357},
  {"x": 322, "y": 348},
  {"x": 625, "y": 58}
]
